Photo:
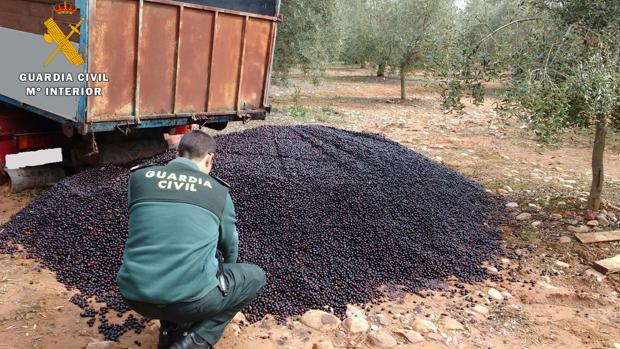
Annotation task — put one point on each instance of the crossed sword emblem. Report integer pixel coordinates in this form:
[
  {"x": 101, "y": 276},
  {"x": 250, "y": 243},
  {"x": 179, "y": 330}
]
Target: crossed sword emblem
[{"x": 55, "y": 34}]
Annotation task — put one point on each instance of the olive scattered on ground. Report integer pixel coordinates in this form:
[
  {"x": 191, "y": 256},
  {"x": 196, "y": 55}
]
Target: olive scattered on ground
[{"x": 330, "y": 215}]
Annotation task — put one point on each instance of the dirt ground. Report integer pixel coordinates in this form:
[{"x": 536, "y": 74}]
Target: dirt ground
[{"x": 550, "y": 298}]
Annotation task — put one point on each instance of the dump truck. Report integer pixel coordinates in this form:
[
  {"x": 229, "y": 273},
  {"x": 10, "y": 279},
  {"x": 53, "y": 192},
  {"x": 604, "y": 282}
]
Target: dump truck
[{"x": 104, "y": 80}]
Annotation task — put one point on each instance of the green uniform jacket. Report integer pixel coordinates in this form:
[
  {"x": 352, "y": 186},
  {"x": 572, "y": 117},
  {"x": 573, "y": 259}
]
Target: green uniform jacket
[{"x": 178, "y": 218}]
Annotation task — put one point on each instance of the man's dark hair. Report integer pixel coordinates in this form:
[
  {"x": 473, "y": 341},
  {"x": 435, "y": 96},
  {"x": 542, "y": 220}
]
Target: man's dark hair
[{"x": 196, "y": 144}]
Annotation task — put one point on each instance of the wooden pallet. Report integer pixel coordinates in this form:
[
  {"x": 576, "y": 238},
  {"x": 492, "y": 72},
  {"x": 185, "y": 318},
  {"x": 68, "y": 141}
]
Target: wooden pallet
[
  {"x": 609, "y": 265},
  {"x": 605, "y": 236}
]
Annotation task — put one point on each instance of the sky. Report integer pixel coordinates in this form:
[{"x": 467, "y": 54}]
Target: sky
[{"x": 460, "y": 3}]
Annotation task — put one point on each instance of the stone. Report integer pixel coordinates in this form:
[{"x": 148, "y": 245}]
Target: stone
[
  {"x": 590, "y": 215},
  {"x": 579, "y": 229},
  {"x": 453, "y": 342},
  {"x": 546, "y": 285},
  {"x": 533, "y": 207},
  {"x": 592, "y": 223},
  {"x": 383, "y": 320},
  {"x": 602, "y": 220},
  {"x": 505, "y": 261},
  {"x": 512, "y": 205},
  {"x": 412, "y": 336},
  {"x": 595, "y": 274},
  {"x": 612, "y": 216},
  {"x": 320, "y": 320},
  {"x": 617, "y": 345},
  {"x": 565, "y": 239},
  {"x": 555, "y": 216},
  {"x": 536, "y": 224},
  {"x": 240, "y": 319},
  {"x": 382, "y": 339},
  {"x": 374, "y": 327},
  {"x": 524, "y": 216},
  {"x": 323, "y": 345},
  {"x": 452, "y": 325},
  {"x": 356, "y": 324},
  {"x": 481, "y": 309},
  {"x": 562, "y": 264},
  {"x": 353, "y": 311},
  {"x": 340, "y": 338},
  {"x": 436, "y": 337},
  {"x": 87, "y": 333},
  {"x": 492, "y": 270},
  {"x": 495, "y": 294},
  {"x": 508, "y": 188},
  {"x": 561, "y": 203},
  {"x": 406, "y": 319},
  {"x": 103, "y": 345},
  {"x": 424, "y": 326}
]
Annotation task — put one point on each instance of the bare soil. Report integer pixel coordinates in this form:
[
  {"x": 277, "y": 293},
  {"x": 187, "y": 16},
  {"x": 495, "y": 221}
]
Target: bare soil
[{"x": 545, "y": 305}]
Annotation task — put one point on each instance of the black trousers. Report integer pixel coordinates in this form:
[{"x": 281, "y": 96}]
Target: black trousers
[{"x": 212, "y": 313}]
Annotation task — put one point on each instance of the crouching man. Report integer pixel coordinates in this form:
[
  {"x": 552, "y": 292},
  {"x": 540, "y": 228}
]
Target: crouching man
[{"x": 179, "y": 264}]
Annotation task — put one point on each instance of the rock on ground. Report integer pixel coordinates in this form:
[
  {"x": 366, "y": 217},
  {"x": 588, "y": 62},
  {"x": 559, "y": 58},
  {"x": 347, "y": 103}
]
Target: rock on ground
[
  {"x": 240, "y": 319},
  {"x": 103, "y": 345},
  {"x": 602, "y": 220},
  {"x": 353, "y": 311},
  {"x": 437, "y": 337},
  {"x": 481, "y": 309},
  {"x": 524, "y": 216},
  {"x": 382, "y": 319},
  {"x": 495, "y": 294},
  {"x": 320, "y": 320},
  {"x": 356, "y": 324},
  {"x": 579, "y": 229},
  {"x": 323, "y": 345},
  {"x": 424, "y": 326},
  {"x": 412, "y": 336},
  {"x": 565, "y": 239},
  {"x": 595, "y": 274},
  {"x": 452, "y": 325},
  {"x": 382, "y": 339}
]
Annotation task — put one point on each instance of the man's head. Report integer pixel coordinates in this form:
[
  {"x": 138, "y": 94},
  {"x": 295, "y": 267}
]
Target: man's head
[{"x": 198, "y": 147}]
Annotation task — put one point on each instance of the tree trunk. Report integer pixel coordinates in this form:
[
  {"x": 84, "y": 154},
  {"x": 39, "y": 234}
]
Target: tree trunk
[
  {"x": 363, "y": 65},
  {"x": 597, "y": 165},
  {"x": 381, "y": 70},
  {"x": 403, "y": 83}
]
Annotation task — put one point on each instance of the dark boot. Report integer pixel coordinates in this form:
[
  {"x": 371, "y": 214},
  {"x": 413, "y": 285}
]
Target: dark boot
[
  {"x": 191, "y": 341},
  {"x": 169, "y": 332}
]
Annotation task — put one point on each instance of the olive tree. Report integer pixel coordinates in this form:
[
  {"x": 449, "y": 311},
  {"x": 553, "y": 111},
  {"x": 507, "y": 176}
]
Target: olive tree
[
  {"x": 418, "y": 31},
  {"x": 572, "y": 81},
  {"x": 558, "y": 60},
  {"x": 405, "y": 34},
  {"x": 309, "y": 36},
  {"x": 360, "y": 39}
]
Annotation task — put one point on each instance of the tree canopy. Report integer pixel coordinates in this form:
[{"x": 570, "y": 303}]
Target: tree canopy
[{"x": 557, "y": 60}]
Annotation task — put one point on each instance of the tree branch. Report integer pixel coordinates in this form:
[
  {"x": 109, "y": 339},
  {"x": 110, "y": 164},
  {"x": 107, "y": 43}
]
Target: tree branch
[{"x": 503, "y": 27}]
